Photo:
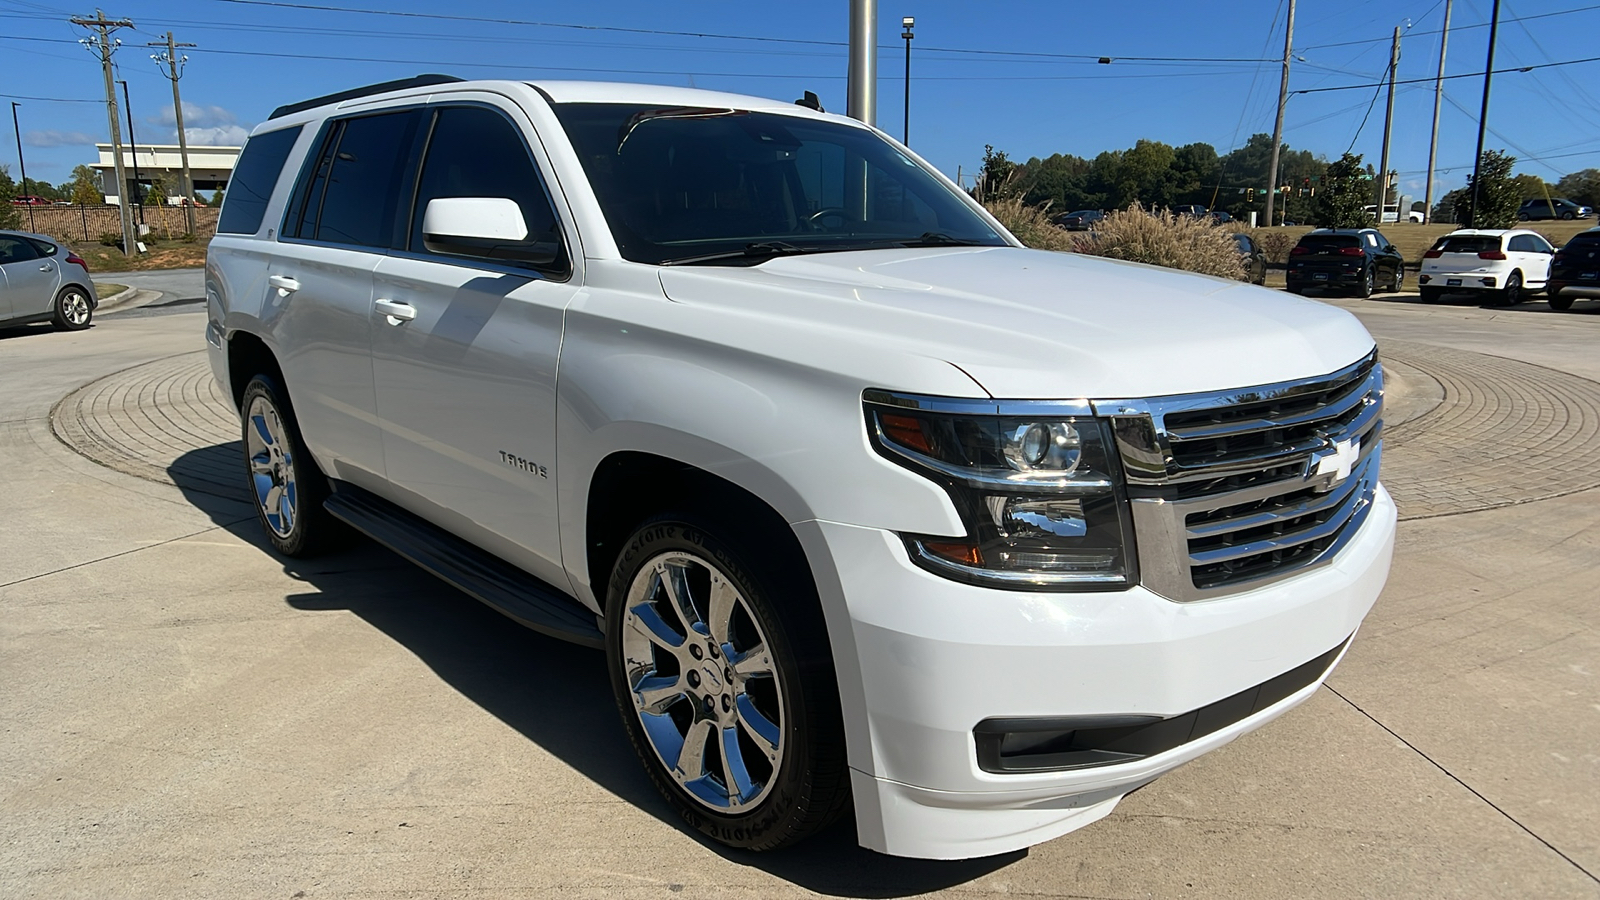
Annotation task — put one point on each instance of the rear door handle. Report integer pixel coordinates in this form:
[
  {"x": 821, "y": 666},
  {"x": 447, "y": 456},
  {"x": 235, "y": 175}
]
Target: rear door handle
[
  {"x": 284, "y": 284},
  {"x": 47, "y": 268},
  {"x": 398, "y": 313}
]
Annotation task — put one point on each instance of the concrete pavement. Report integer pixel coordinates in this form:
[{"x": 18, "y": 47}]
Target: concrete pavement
[{"x": 185, "y": 714}]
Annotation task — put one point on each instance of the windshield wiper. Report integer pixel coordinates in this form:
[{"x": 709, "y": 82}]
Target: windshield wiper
[
  {"x": 940, "y": 239},
  {"x": 760, "y": 251}
]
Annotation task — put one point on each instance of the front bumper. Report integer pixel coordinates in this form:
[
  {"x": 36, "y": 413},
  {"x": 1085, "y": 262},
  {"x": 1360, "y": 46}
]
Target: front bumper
[{"x": 922, "y": 660}]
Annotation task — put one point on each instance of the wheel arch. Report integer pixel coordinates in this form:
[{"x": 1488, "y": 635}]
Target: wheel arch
[{"x": 248, "y": 356}]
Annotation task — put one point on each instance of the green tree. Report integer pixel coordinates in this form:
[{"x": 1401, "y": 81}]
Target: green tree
[
  {"x": 1530, "y": 186},
  {"x": 9, "y": 217},
  {"x": 216, "y": 198},
  {"x": 1346, "y": 193},
  {"x": 996, "y": 181},
  {"x": 1498, "y": 195},
  {"x": 1582, "y": 186},
  {"x": 85, "y": 187},
  {"x": 157, "y": 194},
  {"x": 1449, "y": 207}
]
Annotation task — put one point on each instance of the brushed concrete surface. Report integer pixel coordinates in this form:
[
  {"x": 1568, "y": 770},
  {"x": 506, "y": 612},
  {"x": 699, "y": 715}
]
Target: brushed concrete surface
[{"x": 186, "y": 715}]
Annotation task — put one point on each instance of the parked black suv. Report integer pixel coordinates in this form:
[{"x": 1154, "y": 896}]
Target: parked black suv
[
  {"x": 1350, "y": 259},
  {"x": 1080, "y": 220},
  {"x": 1575, "y": 266},
  {"x": 1557, "y": 208}
]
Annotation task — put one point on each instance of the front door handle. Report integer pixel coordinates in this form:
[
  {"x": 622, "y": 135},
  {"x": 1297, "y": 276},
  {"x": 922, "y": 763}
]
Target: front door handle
[
  {"x": 284, "y": 284},
  {"x": 397, "y": 313}
]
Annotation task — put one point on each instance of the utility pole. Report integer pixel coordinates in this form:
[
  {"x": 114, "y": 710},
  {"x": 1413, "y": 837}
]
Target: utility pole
[
  {"x": 862, "y": 101},
  {"x": 22, "y": 163},
  {"x": 103, "y": 48},
  {"x": 171, "y": 65},
  {"x": 133, "y": 148},
  {"x": 1438, "y": 95},
  {"x": 1277, "y": 129},
  {"x": 907, "y": 23},
  {"x": 1388, "y": 125},
  {"x": 1483, "y": 114}
]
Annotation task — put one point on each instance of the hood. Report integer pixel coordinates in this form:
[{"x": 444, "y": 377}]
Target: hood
[{"x": 1034, "y": 324}]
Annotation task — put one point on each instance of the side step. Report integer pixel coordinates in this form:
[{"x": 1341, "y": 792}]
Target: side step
[{"x": 476, "y": 572}]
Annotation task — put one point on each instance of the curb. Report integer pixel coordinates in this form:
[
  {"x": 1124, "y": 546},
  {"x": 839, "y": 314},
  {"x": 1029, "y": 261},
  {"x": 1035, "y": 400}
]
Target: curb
[
  {"x": 132, "y": 298},
  {"x": 116, "y": 298}
]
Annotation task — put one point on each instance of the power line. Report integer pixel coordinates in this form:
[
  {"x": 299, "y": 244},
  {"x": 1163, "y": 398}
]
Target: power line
[
  {"x": 49, "y": 99},
  {"x": 1457, "y": 28},
  {"x": 1352, "y": 87}
]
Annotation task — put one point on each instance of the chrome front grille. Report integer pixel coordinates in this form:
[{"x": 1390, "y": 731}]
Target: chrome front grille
[{"x": 1233, "y": 490}]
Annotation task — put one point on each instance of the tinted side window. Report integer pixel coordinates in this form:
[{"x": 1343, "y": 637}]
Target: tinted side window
[
  {"x": 477, "y": 152},
  {"x": 363, "y": 185},
  {"x": 1520, "y": 243},
  {"x": 254, "y": 177},
  {"x": 15, "y": 249}
]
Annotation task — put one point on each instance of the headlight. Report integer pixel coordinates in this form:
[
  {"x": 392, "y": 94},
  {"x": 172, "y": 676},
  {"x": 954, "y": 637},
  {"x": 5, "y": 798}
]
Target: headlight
[{"x": 1041, "y": 495}]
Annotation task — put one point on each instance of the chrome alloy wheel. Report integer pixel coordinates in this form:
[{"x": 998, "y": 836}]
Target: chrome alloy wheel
[
  {"x": 75, "y": 308},
  {"x": 271, "y": 467},
  {"x": 703, "y": 681}
]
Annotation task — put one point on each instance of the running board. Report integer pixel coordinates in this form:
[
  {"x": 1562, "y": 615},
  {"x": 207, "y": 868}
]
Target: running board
[{"x": 482, "y": 575}]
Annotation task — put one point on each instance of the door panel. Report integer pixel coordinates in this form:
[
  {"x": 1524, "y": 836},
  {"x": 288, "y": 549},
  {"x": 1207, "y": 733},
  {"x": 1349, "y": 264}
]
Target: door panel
[
  {"x": 466, "y": 396},
  {"x": 324, "y": 322},
  {"x": 30, "y": 279}
]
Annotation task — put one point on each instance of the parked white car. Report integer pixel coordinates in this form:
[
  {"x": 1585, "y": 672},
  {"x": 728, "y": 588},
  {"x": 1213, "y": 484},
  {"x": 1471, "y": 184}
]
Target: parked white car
[
  {"x": 874, "y": 511},
  {"x": 1391, "y": 214},
  {"x": 1508, "y": 265}
]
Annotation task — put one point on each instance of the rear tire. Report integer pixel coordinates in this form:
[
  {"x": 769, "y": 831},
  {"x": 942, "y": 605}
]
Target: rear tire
[
  {"x": 1559, "y": 303},
  {"x": 1512, "y": 293},
  {"x": 1431, "y": 294},
  {"x": 284, "y": 480},
  {"x": 1368, "y": 284},
  {"x": 73, "y": 310},
  {"x": 720, "y": 666},
  {"x": 1399, "y": 279}
]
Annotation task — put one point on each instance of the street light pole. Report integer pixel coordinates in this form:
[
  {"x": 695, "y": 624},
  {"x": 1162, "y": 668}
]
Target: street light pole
[
  {"x": 133, "y": 148},
  {"x": 1483, "y": 114},
  {"x": 22, "y": 163},
  {"x": 907, "y": 23}
]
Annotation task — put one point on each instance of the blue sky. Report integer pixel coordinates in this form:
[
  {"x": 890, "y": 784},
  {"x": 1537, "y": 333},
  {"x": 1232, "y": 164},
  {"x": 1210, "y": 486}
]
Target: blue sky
[{"x": 1021, "y": 76}]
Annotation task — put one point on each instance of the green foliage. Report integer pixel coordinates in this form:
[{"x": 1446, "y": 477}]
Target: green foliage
[
  {"x": 1449, "y": 207},
  {"x": 1499, "y": 196},
  {"x": 9, "y": 216},
  {"x": 1581, "y": 187},
  {"x": 1345, "y": 195},
  {"x": 1531, "y": 186},
  {"x": 111, "y": 238},
  {"x": 1160, "y": 238},
  {"x": 996, "y": 179},
  {"x": 157, "y": 194},
  {"x": 85, "y": 187},
  {"x": 216, "y": 199}
]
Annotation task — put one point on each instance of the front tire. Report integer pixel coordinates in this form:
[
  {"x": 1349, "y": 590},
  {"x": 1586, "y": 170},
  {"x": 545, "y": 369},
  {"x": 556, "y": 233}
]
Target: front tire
[
  {"x": 720, "y": 668},
  {"x": 73, "y": 310},
  {"x": 284, "y": 480}
]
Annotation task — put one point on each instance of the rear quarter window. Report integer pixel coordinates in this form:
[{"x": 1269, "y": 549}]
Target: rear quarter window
[
  {"x": 256, "y": 174},
  {"x": 1467, "y": 244}
]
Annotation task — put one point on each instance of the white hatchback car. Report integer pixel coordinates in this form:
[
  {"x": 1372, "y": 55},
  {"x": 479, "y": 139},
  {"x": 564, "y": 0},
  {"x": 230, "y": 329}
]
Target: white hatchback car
[{"x": 1509, "y": 264}]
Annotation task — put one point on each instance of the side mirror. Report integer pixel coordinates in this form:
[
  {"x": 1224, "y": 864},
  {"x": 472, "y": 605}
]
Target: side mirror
[{"x": 486, "y": 228}]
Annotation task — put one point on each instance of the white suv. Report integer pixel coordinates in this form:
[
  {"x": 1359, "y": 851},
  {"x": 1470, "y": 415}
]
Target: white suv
[
  {"x": 872, "y": 509},
  {"x": 1508, "y": 265}
]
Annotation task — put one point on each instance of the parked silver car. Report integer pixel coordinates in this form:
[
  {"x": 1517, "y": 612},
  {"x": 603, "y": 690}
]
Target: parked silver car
[{"x": 40, "y": 279}]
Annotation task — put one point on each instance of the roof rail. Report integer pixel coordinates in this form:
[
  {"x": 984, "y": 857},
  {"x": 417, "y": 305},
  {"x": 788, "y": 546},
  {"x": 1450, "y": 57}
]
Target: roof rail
[{"x": 369, "y": 90}]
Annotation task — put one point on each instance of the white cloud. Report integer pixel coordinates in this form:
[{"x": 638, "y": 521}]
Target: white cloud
[
  {"x": 57, "y": 139},
  {"x": 202, "y": 125},
  {"x": 218, "y": 136}
]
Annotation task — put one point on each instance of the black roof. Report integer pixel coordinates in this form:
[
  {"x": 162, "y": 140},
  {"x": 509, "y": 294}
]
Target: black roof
[{"x": 369, "y": 90}]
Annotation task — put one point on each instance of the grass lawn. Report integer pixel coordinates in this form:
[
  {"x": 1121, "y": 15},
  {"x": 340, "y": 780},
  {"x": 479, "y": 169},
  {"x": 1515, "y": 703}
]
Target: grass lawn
[
  {"x": 1412, "y": 240},
  {"x": 104, "y": 289},
  {"x": 161, "y": 255}
]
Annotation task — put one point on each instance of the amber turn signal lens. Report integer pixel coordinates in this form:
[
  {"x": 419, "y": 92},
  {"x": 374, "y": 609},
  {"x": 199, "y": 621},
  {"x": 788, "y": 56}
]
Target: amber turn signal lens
[
  {"x": 966, "y": 554},
  {"x": 906, "y": 431}
]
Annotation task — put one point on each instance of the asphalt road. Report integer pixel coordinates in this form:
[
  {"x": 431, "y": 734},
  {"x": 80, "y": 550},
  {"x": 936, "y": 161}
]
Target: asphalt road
[{"x": 185, "y": 714}]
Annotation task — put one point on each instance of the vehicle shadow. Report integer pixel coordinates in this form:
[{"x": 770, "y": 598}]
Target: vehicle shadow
[{"x": 490, "y": 660}]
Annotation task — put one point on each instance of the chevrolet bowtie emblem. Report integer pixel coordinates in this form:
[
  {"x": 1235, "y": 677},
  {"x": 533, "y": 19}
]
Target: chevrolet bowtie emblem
[{"x": 1332, "y": 465}]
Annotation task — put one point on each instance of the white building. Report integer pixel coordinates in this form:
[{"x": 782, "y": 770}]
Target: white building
[{"x": 210, "y": 167}]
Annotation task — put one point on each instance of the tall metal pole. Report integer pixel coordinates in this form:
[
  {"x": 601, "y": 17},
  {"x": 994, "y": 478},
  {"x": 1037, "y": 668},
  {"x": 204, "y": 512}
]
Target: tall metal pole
[
  {"x": 133, "y": 148},
  {"x": 171, "y": 65},
  {"x": 862, "y": 102},
  {"x": 1483, "y": 114},
  {"x": 22, "y": 163},
  {"x": 907, "y": 24},
  {"x": 1277, "y": 129},
  {"x": 103, "y": 49},
  {"x": 1388, "y": 125},
  {"x": 1438, "y": 96}
]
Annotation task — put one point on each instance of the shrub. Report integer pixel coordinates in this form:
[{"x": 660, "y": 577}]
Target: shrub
[
  {"x": 1275, "y": 244},
  {"x": 1031, "y": 224},
  {"x": 1163, "y": 239},
  {"x": 111, "y": 238},
  {"x": 188, "y": 237}
]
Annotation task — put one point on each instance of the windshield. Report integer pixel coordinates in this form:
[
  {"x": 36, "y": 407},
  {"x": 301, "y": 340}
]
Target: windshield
[{"x": 681, "y": 184}]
